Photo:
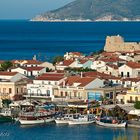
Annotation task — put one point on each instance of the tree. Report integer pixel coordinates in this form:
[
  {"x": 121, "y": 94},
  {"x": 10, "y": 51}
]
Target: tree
[
  {"x": 57, "y": 59},
  {"x": 137, "y": 105},
  {"x": 6, "y": 65},
  {"x": 6, "y": 102}
]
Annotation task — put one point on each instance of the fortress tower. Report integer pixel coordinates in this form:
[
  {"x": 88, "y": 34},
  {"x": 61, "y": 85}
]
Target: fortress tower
[{"x": 117, "y": 43}]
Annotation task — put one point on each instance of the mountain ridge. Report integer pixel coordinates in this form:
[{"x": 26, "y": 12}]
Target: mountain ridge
[{"x": 94, "y": 10}]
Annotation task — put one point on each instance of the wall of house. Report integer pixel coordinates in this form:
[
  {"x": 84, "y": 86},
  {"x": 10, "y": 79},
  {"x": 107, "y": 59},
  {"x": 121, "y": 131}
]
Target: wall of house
[
  {"x": 40, "y": 90},
  {"x": 48, "y": 65},
  {"x": 7, "y": 89},
  {"x": 125, "y": 69},
  {"x": 97, "y": 64}
]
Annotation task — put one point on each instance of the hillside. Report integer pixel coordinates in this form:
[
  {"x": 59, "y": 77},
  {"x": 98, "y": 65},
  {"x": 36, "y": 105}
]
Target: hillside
[{"x": 95, "y": 10}]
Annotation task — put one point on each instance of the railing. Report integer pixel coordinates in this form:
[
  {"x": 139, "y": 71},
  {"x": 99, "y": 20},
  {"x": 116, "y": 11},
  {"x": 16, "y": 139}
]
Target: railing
[
  {"x": 36, "y": 94},
  {"x": 131, "y": 101}
]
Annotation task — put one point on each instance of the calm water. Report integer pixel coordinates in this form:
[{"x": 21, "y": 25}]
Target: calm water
[
  {"x": 22, "y": 39},
  {"x": 61, "y": 132}
]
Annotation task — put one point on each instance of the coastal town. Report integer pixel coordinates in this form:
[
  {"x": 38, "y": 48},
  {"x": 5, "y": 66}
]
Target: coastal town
[{"x": 105, "y": 85}]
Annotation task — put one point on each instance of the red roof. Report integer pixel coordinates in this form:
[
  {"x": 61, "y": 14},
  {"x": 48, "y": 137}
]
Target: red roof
[
  {"x": 28, "y": 61},
  {"x": 77, "y": 79},
  {"x": 70, "y": 80},
  {"x": 83, "y": 61},
  {"x": 112, "y": 59},
  {"x": 85, "y": 81},
  {"x": 33, "y": 62},
  {"x": 51, "y": 76},
  {"x": 132, "y": 79},
  {"x": 1, "y": 61},
  {"x": 66, "y": 63},
  {"x": 133, "y": 65},
  {"x": 33, "y": 68},
  {"x": 76, "y": 53},
  {"x": 6, "y": 73}
]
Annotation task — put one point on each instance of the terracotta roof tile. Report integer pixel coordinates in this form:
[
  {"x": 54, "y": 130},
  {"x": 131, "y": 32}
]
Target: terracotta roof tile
[
  {"x": 51, "y": 76},
  {"x": 6, "y": 73},
  {"x": 33, "y": 68},
  {"x": 76, "y": 53},
  {"x": 66, "y": 63},
  {"x": 133, "y": 65}
]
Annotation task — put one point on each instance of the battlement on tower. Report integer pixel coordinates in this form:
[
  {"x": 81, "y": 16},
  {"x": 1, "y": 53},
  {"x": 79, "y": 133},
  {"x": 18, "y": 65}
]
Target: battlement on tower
[{"x": 117, "y": 43}]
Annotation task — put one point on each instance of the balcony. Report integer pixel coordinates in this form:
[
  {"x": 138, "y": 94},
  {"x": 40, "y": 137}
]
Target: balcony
[
  {"x": 37, "y": 95},
  {"x": 131, "y": 101}
]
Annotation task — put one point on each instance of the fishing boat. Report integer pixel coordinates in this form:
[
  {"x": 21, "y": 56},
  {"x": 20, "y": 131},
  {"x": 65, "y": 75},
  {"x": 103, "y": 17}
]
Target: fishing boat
[
  {"x": 113, "y": 123},
  {"x": 35, "y": 118},
  {"x": 82, "y": 119},
  {"x": 5, "y": 115},
  {"x": 63, "y": 119}
]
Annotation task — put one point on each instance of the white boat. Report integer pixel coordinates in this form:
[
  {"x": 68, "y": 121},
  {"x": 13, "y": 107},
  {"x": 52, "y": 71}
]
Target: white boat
[
  {"x": 64, "y": 119},
  {"x": 37, "y": 121},
  {"x": 82, "y": 119},
  {"x": 34, "y": 118},
  {"x": 116, "y": 125}
]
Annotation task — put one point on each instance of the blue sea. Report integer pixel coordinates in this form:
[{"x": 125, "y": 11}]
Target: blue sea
[
  {"x": 21, "y": 39},
  {"x": 62, "y": 132}
]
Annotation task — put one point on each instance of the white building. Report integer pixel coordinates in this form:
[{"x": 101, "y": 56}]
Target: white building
[
  {"x": 44, "y": 85},
  {"x": 27, "y": 63},
  {"x": 29, "y": 71},
  {"x": 131, "y": 69}
]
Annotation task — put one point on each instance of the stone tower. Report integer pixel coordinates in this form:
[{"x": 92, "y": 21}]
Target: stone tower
[{"x": 117, "y": 43}]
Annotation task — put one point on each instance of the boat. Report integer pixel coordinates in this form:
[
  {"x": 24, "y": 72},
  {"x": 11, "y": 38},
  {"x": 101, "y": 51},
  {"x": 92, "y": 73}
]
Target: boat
[
  {"x": 5, "y": 115},
  {"x": 63, "y": 119},
  {"x": 37, "y": 118},
  {"x": 82, "y": 119},
  {"x": 115, "y": 125}
]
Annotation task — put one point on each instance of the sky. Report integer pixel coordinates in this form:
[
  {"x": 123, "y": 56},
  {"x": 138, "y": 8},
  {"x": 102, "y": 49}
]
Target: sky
[{"x": 26, "y": 9}]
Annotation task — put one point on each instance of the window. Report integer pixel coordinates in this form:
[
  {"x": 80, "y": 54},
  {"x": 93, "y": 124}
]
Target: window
[
  {"x": 49, "y": 83},
  {"x": 4, "y": 90},
  {"x": 48, "y": 92},
  {"x": 136, "y": 98},
  {"x": 17, "y": 90},
  {"x": 131, "y": 98},
  {"x": 10, "y": 90},
  {"x": 66, "y": 94},
  {"x": 61, "y": 94},
  {"x": 121, "y": 74},
  {"x": 128, "y": 75},
  {"x": 21, "y": 90},
  {"x": 25, "y": 72}
]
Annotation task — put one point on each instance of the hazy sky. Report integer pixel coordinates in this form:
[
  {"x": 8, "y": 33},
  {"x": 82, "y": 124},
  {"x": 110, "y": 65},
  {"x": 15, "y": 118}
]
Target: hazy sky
[{"x": 26, "y": 9}]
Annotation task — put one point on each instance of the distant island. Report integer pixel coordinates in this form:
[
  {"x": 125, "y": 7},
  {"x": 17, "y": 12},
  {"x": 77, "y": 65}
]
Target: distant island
[{"x": 94, "y": 10}]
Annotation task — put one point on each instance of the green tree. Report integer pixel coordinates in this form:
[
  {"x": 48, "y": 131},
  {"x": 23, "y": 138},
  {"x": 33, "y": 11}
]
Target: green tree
[
  {"x": 57, "y": 59},
  {"x": 6, "y": 65},
  {"x": 137, "y": 105},
  {"x": 6, "y": 102}
]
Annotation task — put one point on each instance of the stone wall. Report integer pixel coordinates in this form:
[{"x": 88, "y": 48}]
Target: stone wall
[{"x": 117, "y": 43}]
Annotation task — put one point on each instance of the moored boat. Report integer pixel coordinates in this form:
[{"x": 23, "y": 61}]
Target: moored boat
[
  {"x": 38, "y": 118},
  {"x": 63, "y": 119},
  {"x": 5, "y": 115},
  {"x": 82, "y": 119},
  {"x": 35, "y": 121},
  {"x": 116, "y": 125}
]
